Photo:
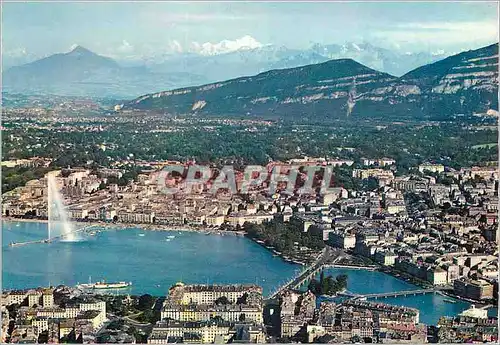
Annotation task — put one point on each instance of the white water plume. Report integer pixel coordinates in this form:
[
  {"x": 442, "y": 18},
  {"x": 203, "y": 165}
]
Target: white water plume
[{"x": 59, "y": 225}]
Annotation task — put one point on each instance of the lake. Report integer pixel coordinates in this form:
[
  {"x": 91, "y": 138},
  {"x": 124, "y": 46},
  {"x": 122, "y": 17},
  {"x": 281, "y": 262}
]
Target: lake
[{"x": 153, "y": 262}]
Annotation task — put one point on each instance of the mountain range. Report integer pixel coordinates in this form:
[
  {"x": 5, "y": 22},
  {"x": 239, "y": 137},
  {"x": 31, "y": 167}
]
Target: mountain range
[
  {"x": 464, "y": 83},
  {"x": 81, "y": 72},
  {"x": 251, "y": 61}
]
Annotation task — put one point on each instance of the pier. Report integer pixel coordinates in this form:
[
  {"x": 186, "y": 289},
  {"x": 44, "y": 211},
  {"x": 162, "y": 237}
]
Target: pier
[
  {"x": 48, "y": 240},
  {"x": 18, "y": 244}
]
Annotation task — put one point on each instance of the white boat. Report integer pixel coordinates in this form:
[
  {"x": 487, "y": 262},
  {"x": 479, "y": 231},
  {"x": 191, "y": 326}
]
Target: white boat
[
  {"x": 171, "y": 236},
  {"x": 102, "y": 285},
  {"x": 142, "y": 235},
  {"x": 117, "y": 285}
]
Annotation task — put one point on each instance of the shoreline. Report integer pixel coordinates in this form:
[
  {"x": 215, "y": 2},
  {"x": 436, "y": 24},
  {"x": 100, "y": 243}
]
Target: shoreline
[
  {"x": 147, "y": 227},
  {"x": 443, "y": 293},
  {"x": 167, "y": 228},
  {"x": 276, "y": 253}
]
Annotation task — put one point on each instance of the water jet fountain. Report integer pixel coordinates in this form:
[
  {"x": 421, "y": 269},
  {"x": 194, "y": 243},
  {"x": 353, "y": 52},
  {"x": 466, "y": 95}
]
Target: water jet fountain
[{"x": 59, "y": 225}]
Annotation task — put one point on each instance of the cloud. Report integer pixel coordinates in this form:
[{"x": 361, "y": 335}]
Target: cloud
[
  {"x": 439, "y": 33},
  {"x": 484, "y": 27},
  {"x": 193, "y": 18},
  {"x": 203, "y": 17},
  {"x": 175, "y": 46},
  {"x": 125, "y": 47},
  {"x": 16, "y": 52}
]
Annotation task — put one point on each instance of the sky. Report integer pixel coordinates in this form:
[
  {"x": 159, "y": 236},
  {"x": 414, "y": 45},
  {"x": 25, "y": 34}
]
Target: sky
[{"x": 134, "y": 30}]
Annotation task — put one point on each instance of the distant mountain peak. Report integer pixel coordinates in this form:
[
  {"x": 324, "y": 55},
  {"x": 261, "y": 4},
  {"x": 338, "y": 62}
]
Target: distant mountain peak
[{"x": 79, "y": 50}]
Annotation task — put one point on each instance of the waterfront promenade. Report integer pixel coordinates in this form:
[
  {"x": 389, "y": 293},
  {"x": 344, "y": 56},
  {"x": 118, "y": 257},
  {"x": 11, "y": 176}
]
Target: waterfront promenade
[{"x": 142, "y": 226}]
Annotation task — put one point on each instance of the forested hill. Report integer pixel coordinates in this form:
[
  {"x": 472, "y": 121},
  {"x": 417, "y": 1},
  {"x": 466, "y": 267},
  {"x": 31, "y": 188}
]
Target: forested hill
[{"x": 464, "y": 83}]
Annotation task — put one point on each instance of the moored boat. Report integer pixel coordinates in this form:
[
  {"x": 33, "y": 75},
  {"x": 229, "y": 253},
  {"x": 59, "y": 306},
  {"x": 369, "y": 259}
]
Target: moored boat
[
  {"x": 102, "y": 285},
  {"x": 118, "y": 285}
]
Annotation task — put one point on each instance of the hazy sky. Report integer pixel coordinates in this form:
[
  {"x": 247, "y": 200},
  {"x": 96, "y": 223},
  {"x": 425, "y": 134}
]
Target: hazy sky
[{"x": 143, "y": 29}]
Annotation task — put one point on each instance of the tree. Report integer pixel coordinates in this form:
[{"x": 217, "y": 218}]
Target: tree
[
  {"x": 342, "y": 279},
  {"x": 328, "y": 285},
  {"x": 116, "y": 324},
  {"x": 145, "y": 302},
  {"x": 222, "y": 300},
  {"x": 356, "y": 338},
  {"x": 242, "y": 299},
  {"x": 314, "y": 287}
]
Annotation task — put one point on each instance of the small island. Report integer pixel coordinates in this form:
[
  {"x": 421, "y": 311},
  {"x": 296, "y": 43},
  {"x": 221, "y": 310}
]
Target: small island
[{"x": 328, "y": 286}]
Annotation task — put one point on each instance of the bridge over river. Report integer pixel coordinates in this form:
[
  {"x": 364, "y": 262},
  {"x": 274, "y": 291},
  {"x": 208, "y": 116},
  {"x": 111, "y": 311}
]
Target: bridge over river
[
  {"x": 391, "y": 294},
  {"x": 326, "y": 258},
  {"x": 329, "y": 258}
]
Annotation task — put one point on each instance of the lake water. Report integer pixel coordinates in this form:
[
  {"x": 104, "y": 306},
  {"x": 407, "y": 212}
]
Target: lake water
[
  {"x": 145, "y": 258},
  {"x": 153, "y": 264}
]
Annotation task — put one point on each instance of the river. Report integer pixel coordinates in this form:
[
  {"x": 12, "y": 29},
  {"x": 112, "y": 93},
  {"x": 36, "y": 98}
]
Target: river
[{"x": 432, "y": 306}]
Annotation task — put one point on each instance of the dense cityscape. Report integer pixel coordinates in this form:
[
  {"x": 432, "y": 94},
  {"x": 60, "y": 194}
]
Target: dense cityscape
[
  {"x": 218, "y": 174},
  {"x": 434, "y": 226}
]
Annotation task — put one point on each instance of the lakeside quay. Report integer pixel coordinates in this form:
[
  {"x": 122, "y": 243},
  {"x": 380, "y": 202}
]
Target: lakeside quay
[{"x": 149, "y": 227}]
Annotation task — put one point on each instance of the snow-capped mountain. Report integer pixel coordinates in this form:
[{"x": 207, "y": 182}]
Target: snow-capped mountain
[
  {"x": 390, "y": 61},
  {"x": 225, "y": 46},
  {"x": 247, "y": 56},
  {"x": 180, "y": 66}
]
